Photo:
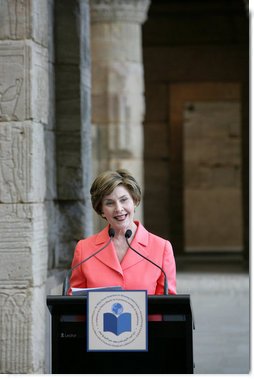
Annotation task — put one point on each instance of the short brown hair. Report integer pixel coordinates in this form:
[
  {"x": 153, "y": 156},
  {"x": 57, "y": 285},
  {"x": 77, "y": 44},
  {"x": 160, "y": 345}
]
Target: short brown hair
[{"x": 107, "y": 181}]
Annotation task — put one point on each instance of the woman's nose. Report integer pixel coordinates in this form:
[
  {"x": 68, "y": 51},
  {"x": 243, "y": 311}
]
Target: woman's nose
[{"x": 118, "y": 206}]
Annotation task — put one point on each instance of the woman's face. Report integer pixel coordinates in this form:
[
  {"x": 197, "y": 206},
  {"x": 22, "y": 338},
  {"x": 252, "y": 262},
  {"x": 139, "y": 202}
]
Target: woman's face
[{"x": 118, "y": 208}]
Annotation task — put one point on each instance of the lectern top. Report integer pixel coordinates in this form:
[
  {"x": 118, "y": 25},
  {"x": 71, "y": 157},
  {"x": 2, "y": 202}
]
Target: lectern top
[{"x": 162, "y": 304}]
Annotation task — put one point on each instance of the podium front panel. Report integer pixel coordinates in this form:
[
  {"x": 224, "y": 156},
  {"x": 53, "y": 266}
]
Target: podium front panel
[{"x": 169, "y": 339}]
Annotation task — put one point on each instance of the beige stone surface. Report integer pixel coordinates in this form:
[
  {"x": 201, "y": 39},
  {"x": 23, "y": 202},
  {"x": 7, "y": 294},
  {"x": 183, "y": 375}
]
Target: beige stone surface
[
  {"x": 132, "y": 11},
  {"x": 22, "y": 167},
  {"x": 22, "y": 347},
  {"x": 23, "y": 255},
  {"x": 26, "y": 19},
  {"x": 115, "y": 41},
  {"x": 23, "y": 248},
  {"x": 212, "y": 176},
  {"x": 24, "y": 81},
  {"x": 214, "y": 220},
  {"x": 24, "y": 97},
  {"x": 118, "y": 105}
]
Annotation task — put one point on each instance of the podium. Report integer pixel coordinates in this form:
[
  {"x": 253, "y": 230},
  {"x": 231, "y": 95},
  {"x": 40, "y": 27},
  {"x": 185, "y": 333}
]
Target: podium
[{"x": 170, "y": 340}]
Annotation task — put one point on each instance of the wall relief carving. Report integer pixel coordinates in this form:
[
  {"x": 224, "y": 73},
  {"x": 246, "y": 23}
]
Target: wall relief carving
[{"x": 9, "y": 97}]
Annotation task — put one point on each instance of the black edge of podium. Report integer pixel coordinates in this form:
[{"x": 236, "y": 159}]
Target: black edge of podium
[{"x": 170, "y": 341}]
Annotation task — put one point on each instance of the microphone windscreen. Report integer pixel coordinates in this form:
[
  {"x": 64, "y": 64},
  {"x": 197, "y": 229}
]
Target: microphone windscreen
[
  {"x": 111, "y": 232},
  {"x": 128, "y": 233}
]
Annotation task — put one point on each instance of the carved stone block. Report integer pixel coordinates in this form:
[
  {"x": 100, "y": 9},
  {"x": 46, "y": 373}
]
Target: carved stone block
[
  {"x": 22, "y": 166},
  {"x": 22, "y": 314},
  {"x": 26, "y": 19},
  {"x": 23, "y": 82},
  {"x": 23, "y": 245},
  {"x": 132, "y": 11},
  {"x": 23, "y": 256}
]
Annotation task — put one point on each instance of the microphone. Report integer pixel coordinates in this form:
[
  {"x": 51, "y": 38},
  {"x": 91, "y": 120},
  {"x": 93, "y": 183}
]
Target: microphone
[
  {"x": 127, "y": 235},
  {"x": 111, "y": 234}
]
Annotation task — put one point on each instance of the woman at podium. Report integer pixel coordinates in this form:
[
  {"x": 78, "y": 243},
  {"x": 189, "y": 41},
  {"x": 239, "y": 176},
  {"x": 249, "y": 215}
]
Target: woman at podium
[{"x": 124, "y": 254}]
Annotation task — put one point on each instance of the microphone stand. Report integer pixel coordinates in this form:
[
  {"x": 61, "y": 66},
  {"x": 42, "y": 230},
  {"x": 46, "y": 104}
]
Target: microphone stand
[
  {"x": 66, "y": 282},
  {"x": 127, "y": 235}
]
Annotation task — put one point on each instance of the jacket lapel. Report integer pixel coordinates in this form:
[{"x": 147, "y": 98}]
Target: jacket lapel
[
  {"x": 139, "y": 243},
  {"x": 107, "y": 256}
]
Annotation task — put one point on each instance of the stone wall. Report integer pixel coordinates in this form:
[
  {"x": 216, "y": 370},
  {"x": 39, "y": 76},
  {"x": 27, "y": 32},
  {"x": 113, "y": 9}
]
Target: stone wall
[
  {"x": 212, "y": 167},
  {"x": 23, "y": 229},
  {"x": 44, "y": 166}
]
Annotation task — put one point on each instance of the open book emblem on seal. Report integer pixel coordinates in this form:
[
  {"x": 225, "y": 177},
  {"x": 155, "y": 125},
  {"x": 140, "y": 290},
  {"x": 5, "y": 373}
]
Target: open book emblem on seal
[{"x": 117, "y": 321}]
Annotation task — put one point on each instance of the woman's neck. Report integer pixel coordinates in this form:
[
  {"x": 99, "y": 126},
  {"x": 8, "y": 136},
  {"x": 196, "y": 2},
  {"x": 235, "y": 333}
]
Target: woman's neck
[
  {"x": 120, "y": 233},
  {"x": 120, "y": 240}
]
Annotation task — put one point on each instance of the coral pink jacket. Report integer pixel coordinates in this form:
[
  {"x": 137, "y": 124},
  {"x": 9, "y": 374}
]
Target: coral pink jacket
[{"x": 134, "y": 272}]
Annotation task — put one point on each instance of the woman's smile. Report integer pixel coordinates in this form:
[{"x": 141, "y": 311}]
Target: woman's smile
[{"x": 121, "y": 217}]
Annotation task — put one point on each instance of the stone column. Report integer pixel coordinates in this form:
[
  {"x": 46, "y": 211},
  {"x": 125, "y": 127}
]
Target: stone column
[
  {"x": 118, "y": 85},
  {"x": 73, "y": 125},
  {"x": 23, "y": 234}
]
